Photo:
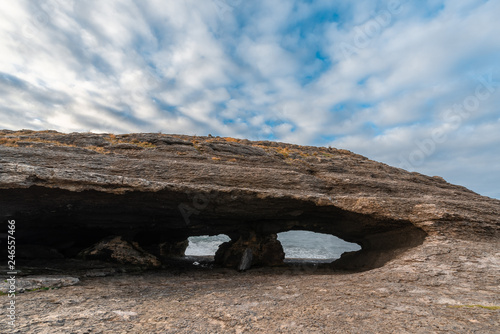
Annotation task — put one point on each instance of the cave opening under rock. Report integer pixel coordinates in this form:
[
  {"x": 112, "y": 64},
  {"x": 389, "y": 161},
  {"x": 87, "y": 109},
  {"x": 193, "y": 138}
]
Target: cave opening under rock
[{"x": 159, "y": 223}]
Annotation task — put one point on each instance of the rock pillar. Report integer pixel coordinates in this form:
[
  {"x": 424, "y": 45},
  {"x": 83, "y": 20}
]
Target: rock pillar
[
  {"x": 265, "y": 250},
  {"x": 173, "y": 249}
]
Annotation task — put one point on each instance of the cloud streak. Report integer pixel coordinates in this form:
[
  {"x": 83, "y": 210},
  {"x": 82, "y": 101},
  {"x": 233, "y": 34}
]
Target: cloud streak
[{"x": 376, "y": 77}]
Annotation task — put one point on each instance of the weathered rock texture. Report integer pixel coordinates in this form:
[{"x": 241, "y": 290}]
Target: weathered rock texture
[{"x": 69, "y": 191}]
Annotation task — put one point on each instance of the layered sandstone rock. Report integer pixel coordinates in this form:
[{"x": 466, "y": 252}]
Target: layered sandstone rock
[{"x": 68, "y": 192}]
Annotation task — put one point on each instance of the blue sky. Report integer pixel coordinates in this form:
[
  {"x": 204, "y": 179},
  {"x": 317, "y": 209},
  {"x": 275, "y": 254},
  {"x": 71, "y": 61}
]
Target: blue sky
[{"x": 414, "y": 84}]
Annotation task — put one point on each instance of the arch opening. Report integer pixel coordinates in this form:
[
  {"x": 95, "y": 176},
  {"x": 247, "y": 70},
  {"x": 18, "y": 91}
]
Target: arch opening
[
  {"x": 205, "y": 245},
  {"x": 313, "y": 246}
]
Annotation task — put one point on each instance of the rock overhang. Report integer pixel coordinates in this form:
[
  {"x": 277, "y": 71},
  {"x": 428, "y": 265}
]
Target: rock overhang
[
  {"x": 155, "y": 188},
  {"x": 70, "y": 221}
]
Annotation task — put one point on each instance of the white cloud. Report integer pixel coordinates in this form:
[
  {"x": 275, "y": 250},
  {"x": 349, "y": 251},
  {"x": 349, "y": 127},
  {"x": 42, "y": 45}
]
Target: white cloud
[{"x": 261, "y": 70}]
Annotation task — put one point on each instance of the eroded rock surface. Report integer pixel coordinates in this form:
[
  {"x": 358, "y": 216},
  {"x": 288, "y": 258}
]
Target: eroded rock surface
[{"x": 67, "y": 192}]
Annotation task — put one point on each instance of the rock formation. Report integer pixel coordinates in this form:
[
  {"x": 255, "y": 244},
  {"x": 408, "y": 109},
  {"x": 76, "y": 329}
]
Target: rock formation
[
  {"x": 68, "y": 192},
  {"x": 115, "y": 249},
  {"x": 264, "y": 250}
]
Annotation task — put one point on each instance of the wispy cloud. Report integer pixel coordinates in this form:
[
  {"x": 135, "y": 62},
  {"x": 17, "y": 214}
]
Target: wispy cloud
[{"x": 377, "y": 77}]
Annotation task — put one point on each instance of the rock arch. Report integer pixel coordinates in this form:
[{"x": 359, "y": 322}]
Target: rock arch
[
  {"x": 70, "y": 221},
  {"x": 68, "y": 191}
]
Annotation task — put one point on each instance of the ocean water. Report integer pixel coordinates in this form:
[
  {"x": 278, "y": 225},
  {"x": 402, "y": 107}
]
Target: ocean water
[
  {"x": 205, "y": 245},
  {"x": 296, "y": 244}
]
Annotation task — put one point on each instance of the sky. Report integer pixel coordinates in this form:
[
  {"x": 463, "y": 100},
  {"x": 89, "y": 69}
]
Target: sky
[{"x": 414, "y": 84}]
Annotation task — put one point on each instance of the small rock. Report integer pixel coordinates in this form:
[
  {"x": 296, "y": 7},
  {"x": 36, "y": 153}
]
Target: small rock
[
  {"x": 126, "y": 315},
  {"x": 118, "y": 250}
]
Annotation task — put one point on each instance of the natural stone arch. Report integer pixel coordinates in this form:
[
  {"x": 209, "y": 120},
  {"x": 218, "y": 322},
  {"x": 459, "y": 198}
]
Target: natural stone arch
[
  {"x": 68, "y": 191},
  {"x": 155, "y": 222}
]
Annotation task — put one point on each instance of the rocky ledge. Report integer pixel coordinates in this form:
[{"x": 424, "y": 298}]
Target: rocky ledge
[{"x": 103, "y": 195}]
